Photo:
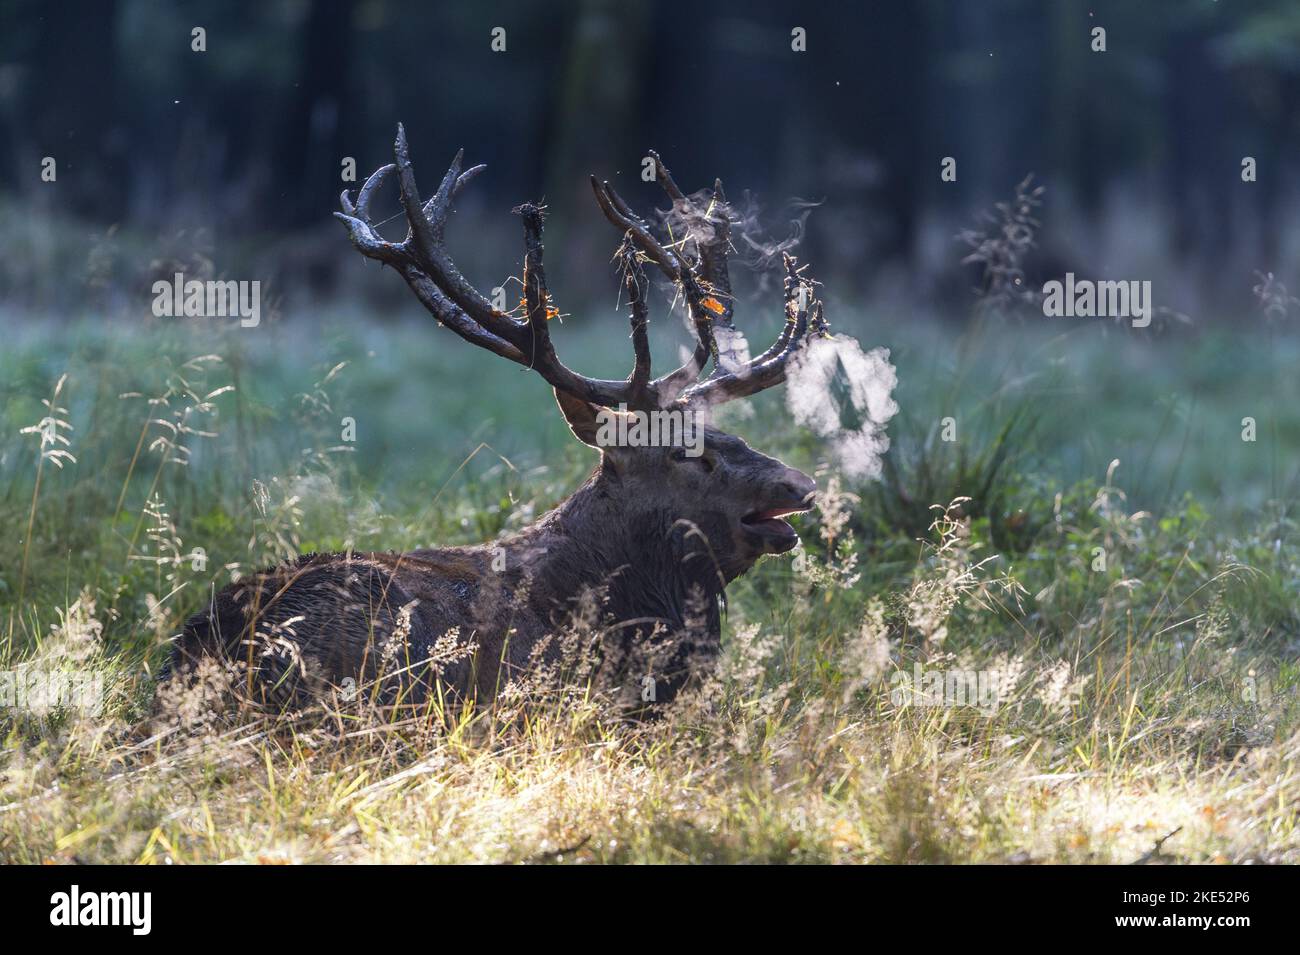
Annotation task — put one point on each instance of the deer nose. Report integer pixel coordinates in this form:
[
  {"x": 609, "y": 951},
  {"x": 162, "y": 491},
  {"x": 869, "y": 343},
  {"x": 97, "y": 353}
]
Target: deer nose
[{"x": 799, "y": 486}]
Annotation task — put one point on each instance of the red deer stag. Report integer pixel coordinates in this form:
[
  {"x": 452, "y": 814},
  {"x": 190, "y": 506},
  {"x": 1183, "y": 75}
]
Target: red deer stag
[{"x": 646, "y": 545}]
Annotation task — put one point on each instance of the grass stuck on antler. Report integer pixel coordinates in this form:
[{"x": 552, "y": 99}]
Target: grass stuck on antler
[{"x": 699, "y": 274}]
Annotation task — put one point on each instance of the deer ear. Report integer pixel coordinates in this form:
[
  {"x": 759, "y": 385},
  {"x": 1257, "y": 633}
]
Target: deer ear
[{"x": 581, "y": 416}]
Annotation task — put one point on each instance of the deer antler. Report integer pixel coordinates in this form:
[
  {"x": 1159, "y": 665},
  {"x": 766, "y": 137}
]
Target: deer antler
[
  {"x": 702, "y": 277},
  {"x": 803, "y": 313}
]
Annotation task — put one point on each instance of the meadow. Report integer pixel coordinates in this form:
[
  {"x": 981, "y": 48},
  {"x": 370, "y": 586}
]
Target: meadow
[{"x": 1098, "y": 543}]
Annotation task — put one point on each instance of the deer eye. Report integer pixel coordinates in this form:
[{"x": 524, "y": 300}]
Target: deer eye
[{"x": 703, "y": 460}]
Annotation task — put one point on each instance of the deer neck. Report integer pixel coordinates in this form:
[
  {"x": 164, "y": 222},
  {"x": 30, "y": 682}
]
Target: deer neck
[{"x": 646, "y": 566}]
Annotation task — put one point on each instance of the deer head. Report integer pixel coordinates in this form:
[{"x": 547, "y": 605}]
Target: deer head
[{"x": 731, "y": 495}]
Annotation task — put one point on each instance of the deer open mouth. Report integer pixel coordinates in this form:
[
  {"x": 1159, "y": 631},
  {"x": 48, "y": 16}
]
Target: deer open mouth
[{"x": 770, "y": 523}]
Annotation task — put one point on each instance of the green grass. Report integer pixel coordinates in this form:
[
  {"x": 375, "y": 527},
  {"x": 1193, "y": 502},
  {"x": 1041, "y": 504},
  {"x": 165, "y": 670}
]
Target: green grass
[{"x": 1141, "y": 616}]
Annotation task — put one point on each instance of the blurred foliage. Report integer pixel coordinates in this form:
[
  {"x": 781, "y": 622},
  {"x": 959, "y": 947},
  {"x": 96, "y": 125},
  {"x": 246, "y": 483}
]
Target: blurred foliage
[{"x": 245, "y": 141}]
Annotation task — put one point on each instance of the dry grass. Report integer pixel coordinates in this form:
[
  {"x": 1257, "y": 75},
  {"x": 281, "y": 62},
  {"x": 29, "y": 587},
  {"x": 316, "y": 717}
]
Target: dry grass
[
  {"x": 1153, "y": 694},
  {"x": 802, "y": 749}
]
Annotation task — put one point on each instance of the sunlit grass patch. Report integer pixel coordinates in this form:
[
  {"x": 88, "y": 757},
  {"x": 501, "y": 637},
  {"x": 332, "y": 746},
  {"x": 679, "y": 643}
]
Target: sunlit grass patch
[{"x": 1142, "y": 644}]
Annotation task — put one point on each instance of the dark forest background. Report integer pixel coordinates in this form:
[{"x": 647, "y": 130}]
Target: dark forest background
[{"x": 229, "y": 160}]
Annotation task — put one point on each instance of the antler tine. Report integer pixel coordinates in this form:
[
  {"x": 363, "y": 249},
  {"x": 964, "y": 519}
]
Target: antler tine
[
  {"x": 537, "y": 299},
  {"x": 797, "y": 294},
  {"x": 636, "y": 286},
  {"x": 422, "y": 230},
  {"x": 371, "y": 186},
  {"x": 617, "y": 212},
  {"x": 676, "y": 268},
  {"x": 711, "y": 246},
  {"x": 713, "y": 253},
  {"x": 666, "y": 179},
  {"x": 360, "y": 229},
  {"x": 366, "y": 240},
  {"x": 711, "y": 266},
  {"x": 435, "y": 210},
  {"x": 461, "y": 182},
  {"x": 768, "y": 369}
]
